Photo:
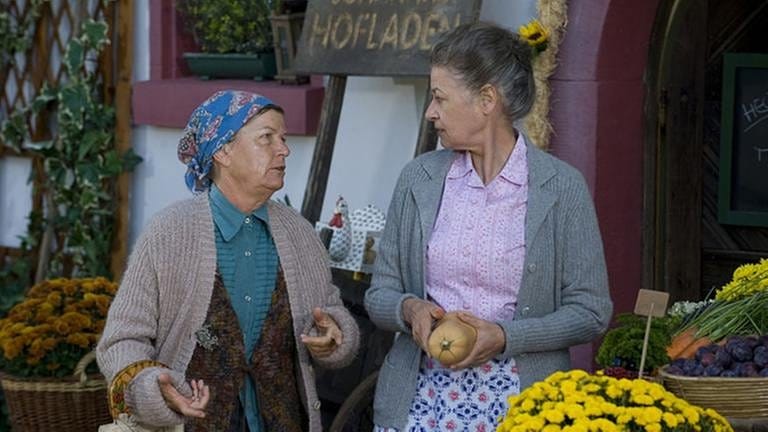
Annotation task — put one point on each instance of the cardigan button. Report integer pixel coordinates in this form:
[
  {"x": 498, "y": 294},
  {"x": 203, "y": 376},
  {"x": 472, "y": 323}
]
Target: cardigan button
[
  {"x": 531, "y": 268},
  {"x": 316, "y": 405}
]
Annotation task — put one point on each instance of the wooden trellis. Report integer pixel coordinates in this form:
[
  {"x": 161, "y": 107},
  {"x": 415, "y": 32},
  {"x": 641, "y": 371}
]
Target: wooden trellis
[{"x": 21, "y": 81}]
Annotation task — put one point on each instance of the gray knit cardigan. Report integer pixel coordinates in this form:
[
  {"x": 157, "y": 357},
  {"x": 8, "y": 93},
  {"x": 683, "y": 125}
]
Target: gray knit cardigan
[
  {"x": 563, "y": 298},
  {"x": 165, "y": 292}
]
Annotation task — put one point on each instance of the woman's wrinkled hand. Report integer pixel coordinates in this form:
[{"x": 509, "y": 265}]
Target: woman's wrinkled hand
[
  {"x": 421, "y": 316},
  {"x": 329, "y": 335},
  {"x": 189, "y": 407},
  {"x": 490, "y": 341}
]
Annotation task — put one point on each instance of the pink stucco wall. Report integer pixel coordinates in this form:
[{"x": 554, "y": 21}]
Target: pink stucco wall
[{"x": 597, "y": 113}]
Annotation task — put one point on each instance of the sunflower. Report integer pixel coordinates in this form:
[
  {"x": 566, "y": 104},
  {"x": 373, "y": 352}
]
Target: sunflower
[{"x": 535, "y": 35}]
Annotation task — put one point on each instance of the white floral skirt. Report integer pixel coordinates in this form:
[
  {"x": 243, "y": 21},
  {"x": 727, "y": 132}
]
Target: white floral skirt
[{"x": 470, "y": 400}]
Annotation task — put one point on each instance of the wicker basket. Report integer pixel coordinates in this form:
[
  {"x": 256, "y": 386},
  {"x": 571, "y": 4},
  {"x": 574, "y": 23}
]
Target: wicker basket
[
  {"x": 57, "y": 404},
  {"x": 731, "y": 397}
]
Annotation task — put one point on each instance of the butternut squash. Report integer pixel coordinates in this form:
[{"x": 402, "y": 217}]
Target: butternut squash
[{"x": 452, "y": 340}]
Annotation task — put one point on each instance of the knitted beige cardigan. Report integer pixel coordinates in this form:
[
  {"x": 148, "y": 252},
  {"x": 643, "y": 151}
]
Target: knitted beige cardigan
[{"x": 164, "y": 296}]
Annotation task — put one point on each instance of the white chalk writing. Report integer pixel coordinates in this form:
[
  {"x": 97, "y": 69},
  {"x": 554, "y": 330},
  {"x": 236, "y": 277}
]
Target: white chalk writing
[
  {"x": 760, "y": 152},
  {"x": 755, "y": 111}
]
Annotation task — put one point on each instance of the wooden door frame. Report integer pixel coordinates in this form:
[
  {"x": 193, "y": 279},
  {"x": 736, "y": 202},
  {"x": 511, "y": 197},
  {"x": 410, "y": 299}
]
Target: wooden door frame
[{"x": 673, "y": 130}]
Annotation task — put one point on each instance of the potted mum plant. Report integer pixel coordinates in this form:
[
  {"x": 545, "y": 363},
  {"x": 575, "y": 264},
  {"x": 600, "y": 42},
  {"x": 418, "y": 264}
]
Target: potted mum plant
[
  {"x": 46, "y": 355},
  {"x": 578, "y": 401},
  {"x": 235, "y": 37}
]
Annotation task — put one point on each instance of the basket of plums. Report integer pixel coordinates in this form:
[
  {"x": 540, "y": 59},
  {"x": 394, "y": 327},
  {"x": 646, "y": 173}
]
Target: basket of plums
[{"x": 730, "y": 377}]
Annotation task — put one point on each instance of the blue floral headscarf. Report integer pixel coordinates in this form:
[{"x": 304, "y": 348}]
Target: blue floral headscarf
[{"x": 211, "y": 125}]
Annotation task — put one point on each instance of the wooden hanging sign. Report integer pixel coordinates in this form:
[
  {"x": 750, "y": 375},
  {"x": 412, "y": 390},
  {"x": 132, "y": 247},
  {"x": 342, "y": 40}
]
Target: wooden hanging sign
[{"x": 376, "y": 37}]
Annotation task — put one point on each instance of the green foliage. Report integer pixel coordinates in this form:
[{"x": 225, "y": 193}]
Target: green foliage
[
  {"x": 16, "y": 278},
  {"x": 15, "y": 33},
  {"x": 230, "y": 26},
  {"x": 740, "y": 306},
  {"x": 16, "y": 274},
  {"x": 624, "y": 343},
  {"x": 80, "y": 162}
]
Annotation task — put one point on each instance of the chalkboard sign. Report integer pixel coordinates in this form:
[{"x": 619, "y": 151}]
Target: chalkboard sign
[
  {"x": 743, "y": 197},
  {"x": 376, "y": 37}
]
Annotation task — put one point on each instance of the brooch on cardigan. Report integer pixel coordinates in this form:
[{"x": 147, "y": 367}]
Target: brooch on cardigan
[{"x": 206, "y": 338}]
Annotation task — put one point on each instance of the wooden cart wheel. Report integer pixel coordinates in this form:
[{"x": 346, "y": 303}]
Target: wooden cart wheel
[{"x": 356, "y": 413}]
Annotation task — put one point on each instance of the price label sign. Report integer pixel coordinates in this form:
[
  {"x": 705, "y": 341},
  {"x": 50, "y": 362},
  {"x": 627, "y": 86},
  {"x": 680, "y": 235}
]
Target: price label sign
[{"x": 651, "y": 303}]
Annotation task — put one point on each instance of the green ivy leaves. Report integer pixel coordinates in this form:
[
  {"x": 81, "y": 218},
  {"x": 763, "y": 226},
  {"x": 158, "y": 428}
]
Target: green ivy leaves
[
  {"x": 80, "y": 162},
  {"x": 15, "y": 31}
]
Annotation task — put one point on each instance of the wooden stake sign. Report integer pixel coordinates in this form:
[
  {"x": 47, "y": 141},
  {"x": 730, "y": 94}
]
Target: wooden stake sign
[{"x": 651, "y": 304}]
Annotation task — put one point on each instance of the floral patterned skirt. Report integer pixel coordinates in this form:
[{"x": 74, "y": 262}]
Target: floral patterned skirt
[{"x": 471, "y": 400}]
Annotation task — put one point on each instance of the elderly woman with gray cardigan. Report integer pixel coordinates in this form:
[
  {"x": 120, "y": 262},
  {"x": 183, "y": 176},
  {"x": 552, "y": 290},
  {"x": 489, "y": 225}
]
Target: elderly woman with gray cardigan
[
  {"x": 491, "y": 227},
  {"x": 227, "y": 289}
]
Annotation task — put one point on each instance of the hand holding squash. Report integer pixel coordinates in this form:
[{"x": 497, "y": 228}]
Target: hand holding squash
[
  {"x": 491, "y": 341},
  {"x": 421, "y": 315},
  {"x": 329, "y": 338},
  {"x": 452, "y": 340}
]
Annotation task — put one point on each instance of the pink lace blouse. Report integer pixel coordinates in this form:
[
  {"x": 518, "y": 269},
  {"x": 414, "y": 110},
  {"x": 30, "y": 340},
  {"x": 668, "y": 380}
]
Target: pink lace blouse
[{"x": 475, "y": 255}]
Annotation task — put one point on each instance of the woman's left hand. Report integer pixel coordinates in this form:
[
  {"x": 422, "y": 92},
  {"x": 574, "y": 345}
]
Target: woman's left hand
[
  {"x": 329, "y": 335},
  {"x": 490, "y": 341},
  {"x": 189, "y": 407}
]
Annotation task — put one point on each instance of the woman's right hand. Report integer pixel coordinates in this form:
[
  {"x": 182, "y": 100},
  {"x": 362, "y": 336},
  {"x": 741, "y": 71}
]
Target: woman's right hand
[
  {"x": 189, "y": 407},
  {"x": 421, "y": 315}
]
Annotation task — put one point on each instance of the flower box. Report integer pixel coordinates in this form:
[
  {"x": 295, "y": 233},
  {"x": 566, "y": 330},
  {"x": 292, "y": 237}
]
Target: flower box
[{"x": 259, "y": 67}]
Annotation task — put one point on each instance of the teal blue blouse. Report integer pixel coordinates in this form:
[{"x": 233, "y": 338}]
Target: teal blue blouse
[{"x": 247, "y": 260}]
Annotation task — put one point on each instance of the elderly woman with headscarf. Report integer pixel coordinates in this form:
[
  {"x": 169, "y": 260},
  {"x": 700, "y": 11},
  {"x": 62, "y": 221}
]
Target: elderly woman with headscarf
[
  {"x": 493, "y": 228},
  {"x": 228, "y": 289}
]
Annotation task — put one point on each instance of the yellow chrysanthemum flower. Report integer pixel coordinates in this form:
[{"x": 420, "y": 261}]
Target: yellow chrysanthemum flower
[
  {"x": 623, "y": 419},
  {"x": 691, "y": 414},
  {"x": 642, "y": 399},
  {"x": 528, "y": 405},
  {"x": 652, "y": 415},
  {"x": 78, "y": 339},
  {"x": 745, "y": 270},
  {"x": 553, "y": 416},
  {"x": 574, "y": 411},
  {"x": 653, "y": 427},
  {"x": 582, "y": 426},
  {"x": 10, "y": 349},
  {"x": 535, "y": 423},
  {"x": 748, "y": 279},
  {"x": 670, "y": 419}
]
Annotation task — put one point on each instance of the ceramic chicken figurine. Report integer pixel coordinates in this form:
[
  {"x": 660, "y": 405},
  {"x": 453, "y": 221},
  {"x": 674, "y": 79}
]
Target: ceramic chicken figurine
[{"x": 341, "y": 239}]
